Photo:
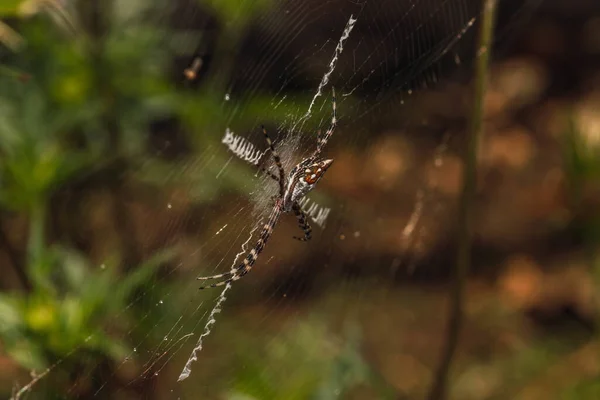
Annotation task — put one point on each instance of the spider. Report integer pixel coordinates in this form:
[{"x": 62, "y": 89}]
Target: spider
[{"x": 292, "y": 188}]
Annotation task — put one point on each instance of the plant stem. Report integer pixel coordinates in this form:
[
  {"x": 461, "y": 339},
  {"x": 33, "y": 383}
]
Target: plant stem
[
  {"x": 14, "y": 259},
  {"x": 36, "y": 244},
  {"x": 439, "y": 387}
]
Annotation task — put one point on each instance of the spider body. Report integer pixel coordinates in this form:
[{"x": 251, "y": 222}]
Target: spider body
[
  {"x": 292, "y": 188},
  {"x": 302, "y": 179}
]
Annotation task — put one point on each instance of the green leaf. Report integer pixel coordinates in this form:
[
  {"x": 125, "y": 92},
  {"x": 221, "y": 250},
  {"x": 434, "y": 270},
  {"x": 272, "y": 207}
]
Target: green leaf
[
  {"x": 10, "y": 314},
  {"x": 243, "y": 396},
  {"x": 10, "y": 8},
  {"x": 28, "y": 354},
  {"x": 75, "y": 268},
  {"x": 238, "y": 13},
  {"x": 110, "y": 346}
]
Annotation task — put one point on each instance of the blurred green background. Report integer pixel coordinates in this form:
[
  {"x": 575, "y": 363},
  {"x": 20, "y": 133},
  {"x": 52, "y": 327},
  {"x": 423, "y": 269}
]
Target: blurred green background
[{"x": 116, "y": 192}]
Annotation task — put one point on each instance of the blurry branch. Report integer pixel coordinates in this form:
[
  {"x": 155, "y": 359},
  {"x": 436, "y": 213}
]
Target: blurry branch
[
  {"x": 439, "y": 387},
  {"x": 36, "y": 243}
]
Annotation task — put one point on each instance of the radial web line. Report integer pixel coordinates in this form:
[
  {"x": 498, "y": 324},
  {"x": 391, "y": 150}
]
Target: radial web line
[{"x": 43, "y": 374}]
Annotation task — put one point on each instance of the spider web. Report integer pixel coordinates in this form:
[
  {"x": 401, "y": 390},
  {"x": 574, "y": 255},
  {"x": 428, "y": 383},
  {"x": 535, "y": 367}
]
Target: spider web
[{"x": 380, "y": 56}]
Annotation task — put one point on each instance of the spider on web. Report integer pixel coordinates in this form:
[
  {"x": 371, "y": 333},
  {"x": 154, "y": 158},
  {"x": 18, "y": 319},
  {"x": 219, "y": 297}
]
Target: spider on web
[{"x": 292, "y": 188}]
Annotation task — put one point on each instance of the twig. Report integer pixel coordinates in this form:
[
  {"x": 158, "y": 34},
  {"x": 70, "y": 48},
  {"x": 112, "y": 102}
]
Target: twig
[{"x": 439, "y": 387}]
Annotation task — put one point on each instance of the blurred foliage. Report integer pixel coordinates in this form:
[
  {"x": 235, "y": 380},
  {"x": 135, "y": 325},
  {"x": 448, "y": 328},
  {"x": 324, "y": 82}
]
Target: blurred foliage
[
  {"x": 9, "y": 7},
  {"x": 71, "y": 105},
  {"x": 581, "y": 155},
  {"x": 69, "y": 309},
  {"x": 239, "y": 13},
  {"x": 35, "y": 156},
  {"x": 588, "y": 389},
  {"x": 79, "y": 95},
  {"x": 581, "y": 158},
  {"x": 306, "y": 361}
]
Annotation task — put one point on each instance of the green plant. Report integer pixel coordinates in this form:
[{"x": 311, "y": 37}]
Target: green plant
[
  {"x": 306, "y": 361},
  {"x": 439, "y": 386},
  {"x": 581, "y": 159},
  {"x": 581, "y": 164},
  {"x": 70, "y": 308},
  {"x": 36, "y": 156},
  {"x": 57, "y": 127}
]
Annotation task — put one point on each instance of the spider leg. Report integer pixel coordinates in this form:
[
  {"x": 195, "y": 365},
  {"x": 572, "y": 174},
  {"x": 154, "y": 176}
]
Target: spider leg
[
  {"x": 269, "y": 173},
  {"x": 323, "y": 139},
  {"x": 218, "y": 276},
  {"x": 277, "y": 162},
  {"x": 246, "y": 265},
  {"x": 302, "y": 222},
  {"x": 233, "y": 275}
]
